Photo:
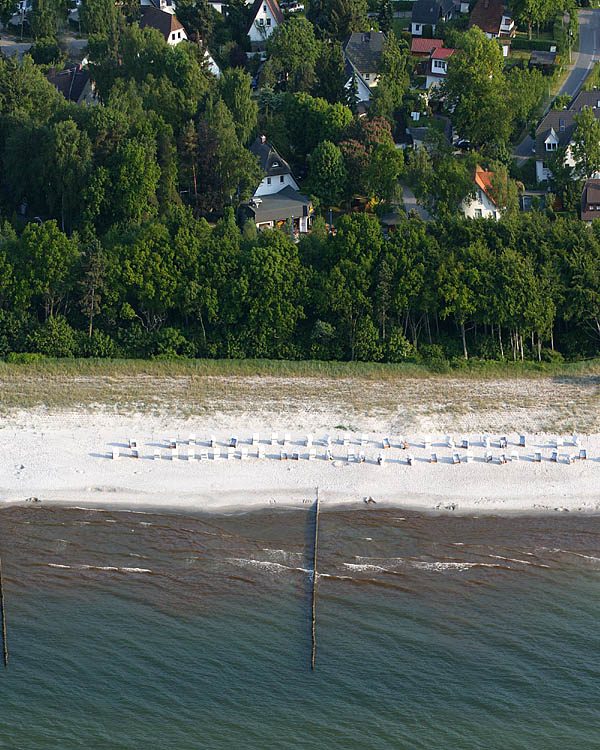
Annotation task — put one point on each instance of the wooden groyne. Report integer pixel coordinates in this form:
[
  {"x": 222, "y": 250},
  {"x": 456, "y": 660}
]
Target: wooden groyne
[
  {"x": 314, "y": 584},
  {"x": 3, "y": 618}
]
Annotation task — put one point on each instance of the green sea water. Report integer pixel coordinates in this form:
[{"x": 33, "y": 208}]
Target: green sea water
[{"x": 157, "y": 631}]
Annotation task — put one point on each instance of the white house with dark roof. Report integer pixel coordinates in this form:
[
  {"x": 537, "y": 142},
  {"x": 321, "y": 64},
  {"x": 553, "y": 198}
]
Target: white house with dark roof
[
  {"x": 166, "y": 22},
  {"x": 362, "y": 54},
  {"x": 554, "y": 131},
  {"x": 277, "y": 199},
  {"x": 265, "y": 17},
  {"x": 429, "y": 13}
]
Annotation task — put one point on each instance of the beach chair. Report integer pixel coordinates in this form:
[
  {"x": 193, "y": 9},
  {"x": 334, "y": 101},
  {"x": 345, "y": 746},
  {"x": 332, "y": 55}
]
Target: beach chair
[
  {"x": 233, "y": 443},
  {"x": 216, "y": 454},
  {"x": 287, "y": 439},
  {"x": 489, "y": 457},
  {"x": 503, "y": 442},
  {"x": 346, "y": 439},
  {"x": 554, "y": 457},
  {"x": 157, "y": 454},
  {"x": 427, "y": 442},
  {"x": 351, "y": 456},
  {"x": 174, "y": 452},
  {"x": 514, "y": 456},
  {"x": 212, "y": 441},
  {"x": 449, "y": 441},
  {"x": 328, "y": 455},
  {"x": 468, "y": 457},
  {"x": 282, "y": 455},
  {"x": 273, "y": 438},
  {"x": 255, "y": 439},
  {"x": 135, "y": 453},
  {"x": 385, "y": 443},
  {"x": 582, "y": 454},
  {"x": 115, "y": 454},
  {"x": 172, "y": 443},
  {"x": 558, "y": 442},
  {"x": 575, "y": 440},
  {"x": 465, "y": 443},
  {"x": 364, "y": 439},
  {"x": 571, "y": 458},
  {"x": 261, "y": 451},
  {"x": 230, "y": 452},
  {"x": 537, "y": 457},
  {"x": 361, "y": 457},
  {"x": 192, "y": 438},
  {"x": 132, "y": 443},
  {"x": 502, "y": 459},
  {"x": 327, "y": 440},
  {"x": 312, "y": 453},
  {"x": 455, "y": 458},
  {"x": 433, "y": 458},
  {"x": 522, "y": 440},
  {"x": 409, "y": 459},
  {"x": 381, "y": 459},
  {"x": 296, "y": 455},
  {"x": 203, "y": 454},
  {"x": 191, "y": 453},
  {"x": 244, "y": 453},
  {"x": 402, "y": 443},
  {"x": 309, "y": 440}
]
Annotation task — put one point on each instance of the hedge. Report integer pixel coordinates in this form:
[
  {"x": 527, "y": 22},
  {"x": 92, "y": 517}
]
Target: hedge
[{"x": 533, "y": 44}]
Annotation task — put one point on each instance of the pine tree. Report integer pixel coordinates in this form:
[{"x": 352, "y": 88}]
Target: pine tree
[{"x": 385, "y": 15}]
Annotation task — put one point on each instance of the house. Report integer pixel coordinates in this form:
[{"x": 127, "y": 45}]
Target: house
[
  {"x": 544, "y": 61},
  {"x": 429, "y": 13},
  {"x": 481, "y": 204},
  {"x": 590, "y": 201},
  {"x": 438, "y": 65},
  {"x": 277, "y": 198},
  {"x": 423, "y": 47},
  {"x": 492, "y": 17},
  {"x": 167, "y": 6},
  {"x": 554, "y": 131},
  {"x": 166, "y": 22},
  {"x": 362, "y": 54},
  {"x": 74, "y": 84},
  {"x": 586, "y": 99},
  {"x": 265, "y": 17}
]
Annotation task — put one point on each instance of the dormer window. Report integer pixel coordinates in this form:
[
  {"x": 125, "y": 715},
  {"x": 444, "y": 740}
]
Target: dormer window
[
  {"x": 367, "y": 76},
  {"x": 264, "y": 8},
  {"x": 550, "y": 146},
  {"x": 561, "y": 125}
]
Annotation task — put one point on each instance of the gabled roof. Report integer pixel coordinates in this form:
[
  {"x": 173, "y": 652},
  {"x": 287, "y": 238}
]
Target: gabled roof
[
  {"x": 271, "y": 163},
  {"x": 153, "y": 18},
  {"x": 422, "y": 46},
  {"x": 483, "y": 180},
  {"x": 557, "y": 121},
  {"x": 426, "y": 11},
  {"x": 585, "y": 99},
  {"x": 487, "y": 15},
  {"x": 590, "y": 195},
  {"x": 363, "y": 49},
  {"x": 272, "y": 5},
  {"x": 70, "y": 82},
  {"x": 441, "y": 53},
  {"x": 280, "y": 206}
]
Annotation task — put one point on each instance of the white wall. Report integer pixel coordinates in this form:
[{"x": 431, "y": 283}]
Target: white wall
[
  {"x": 175, "y": 37},
  {"x": 263, "y": 26},
  {"x": 364, "y": 92},
  {"x": 481, "y": 203},
  {"x": 276, "y": 184}
]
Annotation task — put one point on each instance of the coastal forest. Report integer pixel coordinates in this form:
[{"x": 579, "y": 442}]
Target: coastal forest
[{"x": 120, "y": 233}]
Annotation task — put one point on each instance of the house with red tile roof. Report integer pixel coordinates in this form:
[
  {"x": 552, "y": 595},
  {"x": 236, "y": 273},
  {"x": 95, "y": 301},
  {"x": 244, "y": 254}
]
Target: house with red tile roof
[
  {"x": 422, "y": 47},
  {"x": 438, "y": 65},
  {"x": 482, "y": 204},
  {"x": 494, "y": 19}
]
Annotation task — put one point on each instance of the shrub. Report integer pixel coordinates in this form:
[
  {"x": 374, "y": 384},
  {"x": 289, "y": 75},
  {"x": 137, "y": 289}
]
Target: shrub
[
  {"x": 24, "y": 358},
  {"x": 45, "y": 51},
  {"x": 398, "y": 348},
  {"x": 170, "y": 342},
  {"x": 55, "y": 338},
  {"x": 99, "y": 345},
  {"x": 367, "y": 346}
]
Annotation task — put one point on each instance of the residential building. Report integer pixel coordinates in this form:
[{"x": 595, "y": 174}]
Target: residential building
[
  {"x": 590, "y": 201},
  {"x": 427, "y": 13},
  {"x": 493, "y": 18},
  {"x": 166, "y": 22},
  {"x": 423, "y": 47},
  {"x": 542, "y": 60},
  {"x": 438, "y": 65},
  {"x": 554, "y": 131},
  {"x": 167, "y": 6},
  {"x": 362, "y": 54},
  {"x": 481, "y": 205},
  {"x": 265, "y": 17},
  {"x": 277, "y": 198},
  {"x": 74, "y": 84}
]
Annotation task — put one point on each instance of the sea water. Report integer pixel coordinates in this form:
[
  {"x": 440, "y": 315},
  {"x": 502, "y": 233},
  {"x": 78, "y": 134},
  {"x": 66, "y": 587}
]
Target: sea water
[{"x": 130, "y": 630}]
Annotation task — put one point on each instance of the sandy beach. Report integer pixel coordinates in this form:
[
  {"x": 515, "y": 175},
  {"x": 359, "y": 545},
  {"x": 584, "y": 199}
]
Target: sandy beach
[{"x": 66, "y": 458}]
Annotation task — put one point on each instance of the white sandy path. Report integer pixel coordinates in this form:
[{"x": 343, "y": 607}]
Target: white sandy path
[{"x": 64, "y": 459}]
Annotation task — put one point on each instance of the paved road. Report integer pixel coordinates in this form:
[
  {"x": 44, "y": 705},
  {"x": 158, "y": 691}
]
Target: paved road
[
  {"x": 410, "y": 204},
  {"x": 9, "y": 47},
  {"x": 589, "y": 50}
]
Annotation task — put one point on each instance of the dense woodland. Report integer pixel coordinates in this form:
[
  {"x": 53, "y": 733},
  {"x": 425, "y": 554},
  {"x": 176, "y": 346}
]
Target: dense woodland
[{"x": 138, "y": 250}]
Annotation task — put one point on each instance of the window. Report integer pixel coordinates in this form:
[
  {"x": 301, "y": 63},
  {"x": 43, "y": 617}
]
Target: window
[
  {"x": 268, "y": 180},
  {"x": 550, "y": 146},
  {"x": 417, "y": 27},
  {"x": 268, "y": 21},
  {"x": 478, "y": 213},
  {"x": 281, "y": 178},
  {"x": 264, "y": 8},
  {"x": 179, "y": 35},
  {"x": 367, "y": 76},
  {"x": 261, "y": 21},
  {"x": 173, "y": 36},
  {"x": 561, "y": 125}
]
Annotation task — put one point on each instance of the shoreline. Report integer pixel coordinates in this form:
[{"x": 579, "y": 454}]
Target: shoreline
[{"x": 63, "y": 459}]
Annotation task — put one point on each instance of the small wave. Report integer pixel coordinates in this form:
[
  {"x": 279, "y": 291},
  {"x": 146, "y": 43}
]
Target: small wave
[
  {"x": 365, "y": 566},
  {"x": 516, "y": 560},
  {"x": 100, "y": 567}
]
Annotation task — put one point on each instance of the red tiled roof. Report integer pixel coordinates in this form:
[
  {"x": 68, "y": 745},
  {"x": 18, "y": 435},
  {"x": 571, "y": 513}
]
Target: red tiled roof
[
  {"x": 483, "y": 180},
  {"x": 425, "y": 46},
  {"x": 441, "y": 53}
]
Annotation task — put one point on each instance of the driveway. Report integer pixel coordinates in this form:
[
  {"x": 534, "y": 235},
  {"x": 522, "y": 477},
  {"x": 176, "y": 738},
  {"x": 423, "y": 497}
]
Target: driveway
[
  {"x": 589, "y": 39},
  {"x": 410, "y": 204}
]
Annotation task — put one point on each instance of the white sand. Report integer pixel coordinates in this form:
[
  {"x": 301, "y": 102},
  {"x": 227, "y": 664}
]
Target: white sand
[{"x": 63, "y": 458}]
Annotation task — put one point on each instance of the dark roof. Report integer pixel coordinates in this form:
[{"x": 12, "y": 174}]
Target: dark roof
[
  {"x": 273, "y": 6},
  {"x": 426, "y": 11},
  {"x": 363, "y": 49},
  {"x": 70, "y": 82},
  {"x": 487, "y": 15},
  {"x": 153, "y": 18},
  {"x": 590, "y": 195},
  {"x": 559, "y": 120},
  {"x": 585, "y": 99},
  {"x": 540, "y": 57},
  {"x": 280, "y": 206},
  {"x": 271, "y": 163}
]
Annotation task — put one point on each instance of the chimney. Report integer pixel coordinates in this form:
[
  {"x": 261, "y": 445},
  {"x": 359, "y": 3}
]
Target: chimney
[
  {"x": 263, "y": 138},
  {"x": 78, "y": 67}
]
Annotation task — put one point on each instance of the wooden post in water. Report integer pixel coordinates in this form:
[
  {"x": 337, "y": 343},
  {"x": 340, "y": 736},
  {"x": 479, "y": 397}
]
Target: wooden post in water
[
  {"x": 3, "y": 618},
  {"x": 314, "y": 586}
]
